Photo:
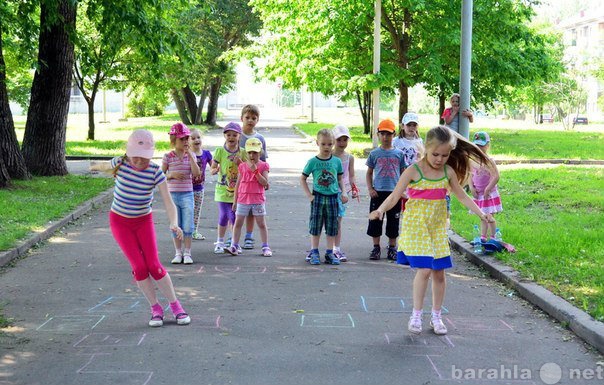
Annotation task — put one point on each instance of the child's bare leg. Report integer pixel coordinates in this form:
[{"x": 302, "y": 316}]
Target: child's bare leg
[
  {"x": 330, "y": 241},
  {"x": 249, "y": 224},
  {"x": 221, "y": 231},
  {"x": 439, "y": 284},
  {"x": 167, "y": 288},
  {"x": 338, "y": 238},
  {"x": 178, "y": 245},
  {"x": 237, "y": 229},
  {"x": 492, "y": 228},
  {"x": 420, "y": 285},
  {"x": 314, "y": 241},
  {"x": 484, "y": 228},
  {"x": 261, "y": 222},
  {"x": 148, "y": 289}
]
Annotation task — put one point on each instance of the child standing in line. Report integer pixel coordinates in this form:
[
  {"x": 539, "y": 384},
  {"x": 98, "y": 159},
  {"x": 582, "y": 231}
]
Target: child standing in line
[
  {"x": 424, "y": 243},
  {"x": 483, "y": 186},
  {"x": 249, "y": 196},
  {"x": 180, "y": 166},
  {"x": 452, "y": 114},
  {"x": 342, "y": 136},
  {"x": 409, "y": 142},
  {"x": 384, "y": 166},
  {"x": 326, "y": 171},
  {"x": 204, "y": 157},
  {"x": 131, "y": 221},
  {"x": 250, "y": 115},
  {"x": 225, "y": 163}
]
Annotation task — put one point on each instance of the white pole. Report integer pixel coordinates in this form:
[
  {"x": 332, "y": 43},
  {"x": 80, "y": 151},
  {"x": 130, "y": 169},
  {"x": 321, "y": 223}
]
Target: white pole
[
  {"x": 465, "y": 65},
  {"x": 377, "y": 22},
  {"x": 312, "y": 107}
]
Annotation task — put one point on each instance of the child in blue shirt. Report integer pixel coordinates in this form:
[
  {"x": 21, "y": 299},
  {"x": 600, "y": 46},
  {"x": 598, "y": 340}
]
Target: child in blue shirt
[{"x": 384, "y": 166}]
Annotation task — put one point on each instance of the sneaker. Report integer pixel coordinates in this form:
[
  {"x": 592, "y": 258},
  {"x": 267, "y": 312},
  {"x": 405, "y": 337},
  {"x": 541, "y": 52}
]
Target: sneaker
[
  {"x": 228, "y": 242},
  {"x": 157, "y": 317},
  {"x": 375, "y": 253},
  {"x": 218, "y": 248},
  {"x": 248, "y": 243},
  {"x": 239, "y": 250},
  {"x": 182, "y": 318},
  {"x": 308, "y": 256},
  {"x": 177, "y": 259},
  {"x": 340, "y": 255},
  {"x": 231, "y": 250},
  {"x": 331, "y": 259},
  {"x": 415, "y": 324},
  {"x": 267, "y": 252},
  {"x": 198, "y": 236},
  {"x": 187, "y": 260},
  {"x": 436, "y": 323},
  {"x": 392, "y": 253},
  {"x": 314, "y": 258}
]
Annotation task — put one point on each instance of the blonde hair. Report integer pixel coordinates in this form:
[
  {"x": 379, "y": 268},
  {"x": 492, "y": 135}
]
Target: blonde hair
[
  {"x": 325, "y": 132},
  {"x": 462, "y": 151},
  {"x": 120, "y": 161},
  {"x": 195, "y": 130},
  {"x": 250, "y": 108}
]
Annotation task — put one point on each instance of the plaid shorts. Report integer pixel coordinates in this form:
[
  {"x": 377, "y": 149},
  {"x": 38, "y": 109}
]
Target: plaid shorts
[{"x": 324, "y": 210}]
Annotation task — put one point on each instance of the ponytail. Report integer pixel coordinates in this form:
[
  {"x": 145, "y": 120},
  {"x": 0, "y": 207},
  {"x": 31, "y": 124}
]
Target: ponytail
[
  {"x": 119, "y": 162},
  {"x": 462, "y": 151}
]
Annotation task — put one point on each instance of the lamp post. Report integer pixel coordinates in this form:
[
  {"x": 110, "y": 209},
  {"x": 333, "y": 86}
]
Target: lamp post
[
  {"x": 377, "y": 22},
  {"x": 465, "y": 65}
]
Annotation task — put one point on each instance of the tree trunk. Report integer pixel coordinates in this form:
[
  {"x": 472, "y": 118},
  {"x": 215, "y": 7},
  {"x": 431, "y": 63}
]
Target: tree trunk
[
  {"x": 364, "y": 102},
  {"x": 403, "y": 101},
  {"x": 12, "y": 163},
  {"x": 90, "y": 103},
  {"x": 213, "y": 102},
  {"x": 202, "y": 100},
  {"x": 190, "y": 102},
  {"x": 441, "y": 106},
  {"x": 180, "y": 106},
  {"x": 45, "y": 129}
]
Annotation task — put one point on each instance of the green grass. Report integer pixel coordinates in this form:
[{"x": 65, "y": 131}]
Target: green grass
[
  {"x": 555, "y": 219},
  {"x": 506, "y": 143},
  {"x": 28, "y": 206}
]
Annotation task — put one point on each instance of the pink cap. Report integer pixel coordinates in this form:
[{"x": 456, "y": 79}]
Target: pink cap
[
  {"x": 140, "y": 144},
  {"x": 180, "y": 130}
]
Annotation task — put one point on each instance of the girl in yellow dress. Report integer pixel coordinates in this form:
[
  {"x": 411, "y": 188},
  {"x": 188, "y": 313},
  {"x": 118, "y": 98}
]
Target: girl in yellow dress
[{"x": 423, "y": 242}]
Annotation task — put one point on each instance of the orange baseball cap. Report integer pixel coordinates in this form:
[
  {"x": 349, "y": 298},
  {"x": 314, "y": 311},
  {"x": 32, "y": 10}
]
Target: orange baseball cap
[{"x": 387, "y": 125}]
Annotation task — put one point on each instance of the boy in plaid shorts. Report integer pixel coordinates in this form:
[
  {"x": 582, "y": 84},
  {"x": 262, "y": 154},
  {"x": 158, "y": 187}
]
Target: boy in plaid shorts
[{"x": 326, "y": 171}]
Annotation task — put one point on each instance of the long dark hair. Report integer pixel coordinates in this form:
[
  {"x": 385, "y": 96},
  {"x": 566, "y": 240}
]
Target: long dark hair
[{"x": 462, "y": 151}]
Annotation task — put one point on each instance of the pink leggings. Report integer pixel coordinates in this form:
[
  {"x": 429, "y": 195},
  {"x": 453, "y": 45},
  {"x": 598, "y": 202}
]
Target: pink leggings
[{"x": 136, "y": 238}]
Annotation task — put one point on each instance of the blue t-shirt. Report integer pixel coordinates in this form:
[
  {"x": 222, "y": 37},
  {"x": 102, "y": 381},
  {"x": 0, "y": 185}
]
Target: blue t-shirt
[
  {"x": 324, "y": 174},
  {"x": 387, "y": 167}
]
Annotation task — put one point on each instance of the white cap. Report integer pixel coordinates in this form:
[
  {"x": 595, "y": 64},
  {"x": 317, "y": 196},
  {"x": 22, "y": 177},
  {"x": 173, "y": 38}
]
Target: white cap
[
  {"x": 410, "y": 117},
  {"x": 340, "y": 130}
]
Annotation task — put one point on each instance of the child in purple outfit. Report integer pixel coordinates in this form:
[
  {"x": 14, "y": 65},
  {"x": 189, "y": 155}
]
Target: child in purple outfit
[{"x": 204, "y": 157}]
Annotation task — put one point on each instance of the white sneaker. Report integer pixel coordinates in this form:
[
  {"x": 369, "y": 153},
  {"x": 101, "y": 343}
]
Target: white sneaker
[
  {"x": 415, "y": 325},
  {"x": 438, "y": 326},
  {"x": 177, "y": 259},
  {"x": 219, "y": 248},
  {"x": 187, "y": 259}
]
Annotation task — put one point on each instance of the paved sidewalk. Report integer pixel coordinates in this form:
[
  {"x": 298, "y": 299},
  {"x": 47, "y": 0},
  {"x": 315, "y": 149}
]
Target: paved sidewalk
[{"x": 79, "y": 318}]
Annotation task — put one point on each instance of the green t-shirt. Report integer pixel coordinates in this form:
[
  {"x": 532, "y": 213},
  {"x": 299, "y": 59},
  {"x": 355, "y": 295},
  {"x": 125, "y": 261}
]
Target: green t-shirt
[
  {"x": 324, "y": 174},
  {"x": 227, "y": 175}
]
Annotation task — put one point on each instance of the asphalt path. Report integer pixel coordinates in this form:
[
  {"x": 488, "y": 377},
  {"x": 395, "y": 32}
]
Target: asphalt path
[{"x": 79, "y": 318}]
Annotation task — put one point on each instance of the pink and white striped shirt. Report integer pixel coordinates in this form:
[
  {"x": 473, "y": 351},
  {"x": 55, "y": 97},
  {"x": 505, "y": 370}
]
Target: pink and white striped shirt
[{"x": 172, "y": 163}]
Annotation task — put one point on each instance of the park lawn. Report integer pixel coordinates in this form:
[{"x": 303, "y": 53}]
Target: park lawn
[
  {"x": 555, "y": 219},
  {"x": 29, "y": 205},
  {"x": 506, "y": 143}
]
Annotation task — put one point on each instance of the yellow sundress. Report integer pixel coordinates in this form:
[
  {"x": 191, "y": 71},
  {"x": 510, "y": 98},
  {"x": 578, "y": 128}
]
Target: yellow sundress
[{"x": 423, "y": 242}]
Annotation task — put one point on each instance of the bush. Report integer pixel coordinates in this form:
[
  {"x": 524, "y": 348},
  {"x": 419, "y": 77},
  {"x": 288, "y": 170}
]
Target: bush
[{"x": 147, "y": 102}]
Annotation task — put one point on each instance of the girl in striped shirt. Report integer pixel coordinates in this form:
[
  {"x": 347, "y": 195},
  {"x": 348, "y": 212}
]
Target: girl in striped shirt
[
  {"x": 131, "y": 221},
  {"x": 180, "y": 166}
]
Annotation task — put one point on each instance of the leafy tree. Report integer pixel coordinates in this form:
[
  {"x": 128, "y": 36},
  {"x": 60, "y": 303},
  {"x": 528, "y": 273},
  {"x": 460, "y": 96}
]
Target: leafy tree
[{"x": 568, "y": 98}]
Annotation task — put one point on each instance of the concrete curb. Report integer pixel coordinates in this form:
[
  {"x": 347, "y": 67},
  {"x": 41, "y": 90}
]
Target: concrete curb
[
  {"x": 581, "y": 323},
  {"x": 22, "y": 248}
]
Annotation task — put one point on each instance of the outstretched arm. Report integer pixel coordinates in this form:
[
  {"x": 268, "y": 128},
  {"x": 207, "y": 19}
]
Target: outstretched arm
[
  {"x": 465, "y": 198},
  {"x": 103, "y": 165},
  {"x": 395, "y": 195}
]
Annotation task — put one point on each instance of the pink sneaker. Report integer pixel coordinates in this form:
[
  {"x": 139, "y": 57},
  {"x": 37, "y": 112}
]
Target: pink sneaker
[
  {"x": 157, "y": 316},
  {"x": 182, "y": 318}
]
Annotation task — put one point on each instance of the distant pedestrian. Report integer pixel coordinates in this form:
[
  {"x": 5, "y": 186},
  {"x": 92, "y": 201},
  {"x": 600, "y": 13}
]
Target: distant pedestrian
[
  {"x": 384, "y": 167},
  {"x": 483, "y": 186},
  {"x": 342, "y": 137},
  {"x": 424, "y": 243},
  {"x": 326, "y": 170},
  {"x": 451, "y": 115},
  {"x": 204, "y": 158},
  {"x": 180, "y": 166},
  {"x": 131, "y": 221},
  {"x": 250, "y": 116},
  {"x": 249, "y": 197},
  {"x": 225, "y": 163}
]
